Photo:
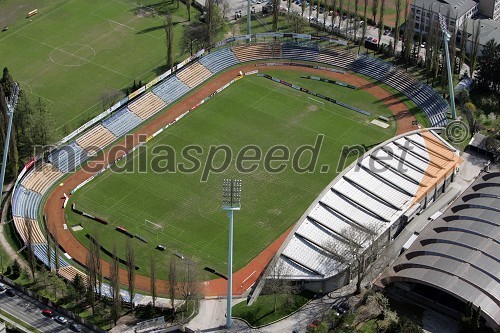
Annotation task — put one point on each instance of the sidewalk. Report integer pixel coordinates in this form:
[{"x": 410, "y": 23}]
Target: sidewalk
[{"x": 13, "y": 323}]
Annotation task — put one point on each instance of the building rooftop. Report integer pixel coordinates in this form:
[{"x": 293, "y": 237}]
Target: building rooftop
[
  {"x": 455, "y": 7},
  {"x": 367, "y": 198},
  {"x": 490, "y": 29},
  {"x": 459, "y": 252}
]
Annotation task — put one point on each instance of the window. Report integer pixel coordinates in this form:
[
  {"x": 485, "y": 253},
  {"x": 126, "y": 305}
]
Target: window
[{"x": 417, "y": 26}]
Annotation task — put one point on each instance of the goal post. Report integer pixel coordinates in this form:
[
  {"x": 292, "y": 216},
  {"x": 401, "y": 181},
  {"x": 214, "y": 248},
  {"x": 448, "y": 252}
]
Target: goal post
[{"x": 153, "y": 227}]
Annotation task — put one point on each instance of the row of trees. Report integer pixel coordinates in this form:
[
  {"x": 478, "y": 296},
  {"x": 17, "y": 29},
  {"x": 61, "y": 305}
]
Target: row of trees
[
  {"x": 183, "y": 280},
  {"x": 32, "y": 125}
]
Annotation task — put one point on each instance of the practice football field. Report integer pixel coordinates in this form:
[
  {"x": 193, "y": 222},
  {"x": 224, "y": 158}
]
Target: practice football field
[
  {"x": 73, "y": 51},
  {"x": 252, "y": 111}
]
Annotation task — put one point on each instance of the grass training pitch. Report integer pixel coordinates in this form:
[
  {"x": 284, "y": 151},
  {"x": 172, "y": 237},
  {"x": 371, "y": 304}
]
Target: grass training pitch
[
  {"x": 71, "y": 52},
  {"x": 254, "y": 111}
]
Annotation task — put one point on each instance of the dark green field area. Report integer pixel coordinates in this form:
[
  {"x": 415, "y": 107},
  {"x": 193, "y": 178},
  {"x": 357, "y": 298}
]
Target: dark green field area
[
  {"x": 72, "y": 51},
  {"x": 255, "y": 111}
]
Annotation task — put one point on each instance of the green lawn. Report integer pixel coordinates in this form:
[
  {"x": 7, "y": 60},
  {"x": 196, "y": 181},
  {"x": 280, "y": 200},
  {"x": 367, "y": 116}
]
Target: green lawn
[
  {"x": 73, "y": 51},
  {"x": 255, "y": 111},
  {"x": 261, "y": 312}
]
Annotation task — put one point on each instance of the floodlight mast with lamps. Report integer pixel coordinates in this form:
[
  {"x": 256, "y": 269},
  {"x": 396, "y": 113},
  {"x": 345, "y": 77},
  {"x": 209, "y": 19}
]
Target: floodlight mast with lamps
[
  {"x": 447, "y": 37},
  {"x": 231, "y": 201},
  {"x": 11, "y": 105}
]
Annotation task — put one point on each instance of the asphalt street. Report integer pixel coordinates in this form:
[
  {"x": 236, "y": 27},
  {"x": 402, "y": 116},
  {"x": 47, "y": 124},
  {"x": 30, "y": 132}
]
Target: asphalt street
[{"x": 30, "y": 311}]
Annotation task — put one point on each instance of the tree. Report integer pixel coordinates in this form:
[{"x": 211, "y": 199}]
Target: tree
[
  {"x": 152, "y": 281},
  {"x": 487, "y": 66},
  {"x": 303, "y": 8},
  {"x": 381, "y": 21},
  {"x": 213, "y": 18},
  {"x": 334, "y": 12},
  {"x": 375, "y": 9},
  {"x": 295, "y": 22},
  {"x": 16, "y": 269},
  {"x": 194, "y": 38},
  {"x": 109, "y": 97},
  {"x": 79, "y": 286},
  {"x": 311, "y": 11},
  {"x": 188, "y": 7},
  {"x": 276, "y": 282},
  {"x": 358, "y": 248},
  {"x": 172, "y": 279},
  {"x": 188, "y": 280},
  {"x": 397, "y": 22},
  {"x": 464, "y": 35},
  {"x": 114, "y": 280},
  {"x": 169, "y": 39},
  {"x": 56, "y": 249},
  {"x": 43, "y": 124},
  {"x": 363, "y": 29},
  {"x": 476, "y": 31},
  {"x": 130, "y": 258},
  {"x": 29, "y": 248},
  {"x": 276, "y": 11}
]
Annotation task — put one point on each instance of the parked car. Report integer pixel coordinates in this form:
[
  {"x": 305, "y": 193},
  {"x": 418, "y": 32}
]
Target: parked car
[
  {"x": 10, "y": 292},
  {"x": 386, "y": 31},
  {"x": 2, "y": 287},
  {"x": 75, "y": 327},
  {"x": 61, "y": 319},
  {"x": 47, "y": 312}
]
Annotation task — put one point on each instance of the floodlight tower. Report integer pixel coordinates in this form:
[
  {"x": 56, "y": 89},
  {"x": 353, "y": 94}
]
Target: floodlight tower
[
  {"x": 11, "y": 105},
  {"x": 446, "y": 37},
  {"x": 231, "y": 201},
  {"x": 248, "y": 18}
]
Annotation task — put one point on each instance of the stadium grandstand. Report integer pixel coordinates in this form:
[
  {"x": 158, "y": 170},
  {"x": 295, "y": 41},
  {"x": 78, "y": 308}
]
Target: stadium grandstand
[
  {"x": 429, "y": 154},
  {"x": 454, "y": 260},
  {"x": 376, "y": 195}
]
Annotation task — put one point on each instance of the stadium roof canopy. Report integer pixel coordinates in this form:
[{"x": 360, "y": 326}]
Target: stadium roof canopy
[
  {"x": 459, "y": 252},
  {"x": 368, "y": 197}
]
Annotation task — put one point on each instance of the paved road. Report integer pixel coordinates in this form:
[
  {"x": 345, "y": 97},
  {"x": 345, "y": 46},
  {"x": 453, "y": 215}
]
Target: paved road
[{"x": 29, "y": 311}]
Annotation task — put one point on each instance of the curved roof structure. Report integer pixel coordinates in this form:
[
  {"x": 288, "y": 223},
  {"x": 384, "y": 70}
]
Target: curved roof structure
[
  {"x": 367, "y": 198},
  {"x": 459, "y": 252}
]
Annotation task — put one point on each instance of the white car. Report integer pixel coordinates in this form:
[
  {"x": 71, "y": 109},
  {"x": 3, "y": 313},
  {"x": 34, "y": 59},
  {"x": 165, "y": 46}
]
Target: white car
[{"x": 61, "y": 319}]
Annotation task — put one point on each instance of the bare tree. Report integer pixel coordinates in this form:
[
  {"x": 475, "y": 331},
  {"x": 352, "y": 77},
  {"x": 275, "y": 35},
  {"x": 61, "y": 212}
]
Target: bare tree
[
  {"x": 130, "y": 258},
  {"x": 109, "y": 97},
  {"x": 152, "y": 281},
  {"x": 463, "y": 44},
  {"x": 188, "y": 281},
  {"x": 358, "y": 248},
  {"x": 29, "y": 247},
  {"x": 476, "y": 31},
  {"x": 169, "y": 39},
  {"x": 356, "y": 19},
  {"x": 310, "y": 11},
  {"x": 334, "y": 12},
  {"x": 303, "y": 8},
  {"x": 114, "y": 279},
  {"x": 225, "y": 7},
  {"x": 375, "y": 10},
  {"x": 396, "y": 28},
  {"x": 92, "y": 280},
  {"x": 55, "y": 238},
  {"x": 276, "y": 11},
  {"x": 276, "y": 282},
  {"x": 188, "y": 7},
  {"x": 172, "y": 279},
  {"x": 295, "y": 22},
  {"x": 49, "y": 251},
  {"x": 381, "y": 21}
]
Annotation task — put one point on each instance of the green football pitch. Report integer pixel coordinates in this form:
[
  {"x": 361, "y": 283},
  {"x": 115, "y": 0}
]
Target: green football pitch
[
  {"x": 73, "y": 51},
  {"x": 252, "y": 111}
]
